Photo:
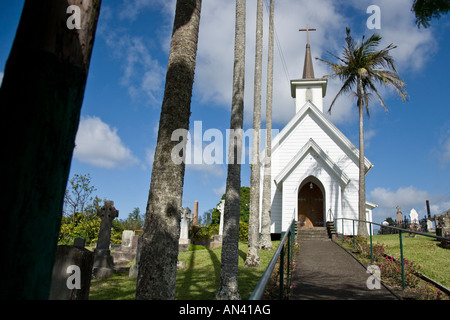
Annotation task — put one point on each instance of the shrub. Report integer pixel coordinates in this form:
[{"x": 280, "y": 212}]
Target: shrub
[{"x": 391, "y": 272}]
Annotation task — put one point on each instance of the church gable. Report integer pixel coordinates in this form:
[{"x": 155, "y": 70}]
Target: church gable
[
  {"x": 309, "y": 123},
  {"x": 311, "y": 147}
]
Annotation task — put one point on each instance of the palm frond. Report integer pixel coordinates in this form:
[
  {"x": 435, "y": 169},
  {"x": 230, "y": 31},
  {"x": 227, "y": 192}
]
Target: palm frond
[{"x": 364, "y": 60}]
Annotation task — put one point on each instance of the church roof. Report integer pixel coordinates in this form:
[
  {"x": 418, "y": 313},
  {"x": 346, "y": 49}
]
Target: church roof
[
  {"x": 323, "y": 121},
  {"x": 311, "y": 145}
]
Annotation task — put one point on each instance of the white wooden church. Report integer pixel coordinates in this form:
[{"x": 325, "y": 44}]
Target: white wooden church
[{"x": 314, "y": 170}]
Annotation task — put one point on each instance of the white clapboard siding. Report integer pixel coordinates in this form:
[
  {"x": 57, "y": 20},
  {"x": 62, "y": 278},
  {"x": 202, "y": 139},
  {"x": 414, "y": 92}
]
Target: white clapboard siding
[{"x": 311, "y": 146}]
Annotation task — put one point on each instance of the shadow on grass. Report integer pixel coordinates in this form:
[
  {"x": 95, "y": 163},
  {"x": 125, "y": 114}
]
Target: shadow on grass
[{"x": 118, "y": 287}]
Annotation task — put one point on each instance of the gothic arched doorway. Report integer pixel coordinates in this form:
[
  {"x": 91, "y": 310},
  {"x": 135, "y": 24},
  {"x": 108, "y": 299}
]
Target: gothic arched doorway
[{"x": 310, "y": 205}]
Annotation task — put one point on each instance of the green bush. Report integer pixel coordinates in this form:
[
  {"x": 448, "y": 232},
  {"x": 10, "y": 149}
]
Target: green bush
[{"x": 243, "y": 231}]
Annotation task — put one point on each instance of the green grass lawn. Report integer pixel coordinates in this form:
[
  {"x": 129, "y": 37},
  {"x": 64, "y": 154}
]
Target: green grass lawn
[
  {"x": 433, "y": 259},
  {"x": 199, "y": 280}
]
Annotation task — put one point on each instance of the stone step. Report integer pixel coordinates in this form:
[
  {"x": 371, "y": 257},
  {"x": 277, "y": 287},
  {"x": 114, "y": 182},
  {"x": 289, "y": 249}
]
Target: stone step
[{"x": 316, "y": 233}]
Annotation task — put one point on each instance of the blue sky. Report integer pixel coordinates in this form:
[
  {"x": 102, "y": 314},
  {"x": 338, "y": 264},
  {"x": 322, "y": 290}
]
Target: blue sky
[{"x": 409, "y": 146}]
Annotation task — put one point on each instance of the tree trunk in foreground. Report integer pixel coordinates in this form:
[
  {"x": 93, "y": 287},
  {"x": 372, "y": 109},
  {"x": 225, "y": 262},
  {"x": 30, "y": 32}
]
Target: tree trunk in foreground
[
  {"x": 362, "y": 227},
  {"x": 159, "y": 247},
  {"x": 252, "y": 259},
  {"x": 266, "y": 241},
  {"x": 41, "y": 94},
  {"x": 228, "y": 287}
]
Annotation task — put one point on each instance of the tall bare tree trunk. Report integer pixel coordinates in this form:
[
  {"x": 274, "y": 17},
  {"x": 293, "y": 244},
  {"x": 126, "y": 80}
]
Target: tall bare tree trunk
[
  {"x": 228, "y": 287},
  {"x": 252, "y": 259},
  {"x": 159, "y": 247},
  {"x": 41, "y": 97},
  {"x": 362, "y": 227},
  {"x": 266, "y": 242}
]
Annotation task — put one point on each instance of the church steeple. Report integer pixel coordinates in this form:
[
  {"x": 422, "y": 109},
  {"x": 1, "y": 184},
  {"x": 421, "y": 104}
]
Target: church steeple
[
  {"x": 308, "y": 70},
  {"x": 308, "y": 89}
]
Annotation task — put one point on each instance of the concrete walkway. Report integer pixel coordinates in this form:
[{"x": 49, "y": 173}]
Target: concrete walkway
[{"x": 325, "y": 271}]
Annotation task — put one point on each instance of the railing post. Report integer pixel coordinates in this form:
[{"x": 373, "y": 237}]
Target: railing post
[
  {"x": 371, "y": 247},
  {"x": 280, "y": 296},
  {"x": 401, "y": 259},
  {"x": 354, "y": 245},
  {"x": 288, "y": 258},
  {"x": 342, "y": 229}
]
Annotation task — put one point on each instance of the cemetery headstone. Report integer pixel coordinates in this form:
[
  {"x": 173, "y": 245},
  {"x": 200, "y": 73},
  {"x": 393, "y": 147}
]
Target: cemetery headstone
[
  {"x": 217, "y": 239},
  {"x": 414, "y": 221},
  {"x": 79, "y": 242},
  {"x": 414, "y": 216},
  {"x": 430, "y": 226},
  {"x": 221, "y": 208},
  {"x": 184, "y": 241},
  {"x": 127, "y": 250},
  {"x": 133, "y": 272},
  {"x": 103, "y": 261},
  {"x": 195, "y": 218},
  {"x": 71, "y": 276},
  {"x": 399, "y": 217}
]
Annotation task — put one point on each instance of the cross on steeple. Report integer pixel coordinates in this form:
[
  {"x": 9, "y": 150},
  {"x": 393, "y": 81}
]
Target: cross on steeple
[
  {"x": 308, "y": 70},
  {"x": 307, "y": 32}
]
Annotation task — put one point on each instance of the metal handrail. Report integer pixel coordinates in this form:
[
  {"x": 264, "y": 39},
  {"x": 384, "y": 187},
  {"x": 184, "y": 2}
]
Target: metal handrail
[
  {"x": 264, "y": 280},
  {"x": 400, "y": 231}
]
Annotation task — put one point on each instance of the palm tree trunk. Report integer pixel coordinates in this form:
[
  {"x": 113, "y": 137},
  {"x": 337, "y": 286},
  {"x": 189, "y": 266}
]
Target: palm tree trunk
[
  {"x": 159, "y": 247},
  {"x": 266, "y": 242},
  {"x": 362, "y": 229},
  {"x": 253, "y": 228},
  {"x": 228, "y": 287},
  {"x": 41, "y": 97}
]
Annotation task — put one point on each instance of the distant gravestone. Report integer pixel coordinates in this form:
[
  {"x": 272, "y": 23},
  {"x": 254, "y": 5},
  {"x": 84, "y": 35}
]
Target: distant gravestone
[
  {"x": 71, "y": 276},
  {"x": 217, "y": 239},
  {"x": 79, "y": 242},
  {"x": 399, "y": 217},
  {"x": 127, "y": 250},
  {"x": 430, "y": 226},
  {"x": 133, "y": 272},
  {"x": 184, "y": 241},
  {"x": 103, "y": 262},
  {"x": 414, "y": 216},
  {"x": 127, "y": 238},
  {"x": 443, "y": 229},
  {"x": 221, "y": 208}
]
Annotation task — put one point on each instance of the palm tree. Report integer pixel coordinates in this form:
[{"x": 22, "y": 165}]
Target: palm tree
[
  {"x": 252, "y": 259},
  {"x": 159, "y": 247},
  {"x": 361, "y": 67},
  {"x": 266, "y": 242},
  {"x": 41, "y": 97},
  {"x": 228, "y": 287}
]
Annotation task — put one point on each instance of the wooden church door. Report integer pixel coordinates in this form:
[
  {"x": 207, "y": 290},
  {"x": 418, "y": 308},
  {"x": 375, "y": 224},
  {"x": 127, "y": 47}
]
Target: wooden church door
[{"x": 310, "y": 206}]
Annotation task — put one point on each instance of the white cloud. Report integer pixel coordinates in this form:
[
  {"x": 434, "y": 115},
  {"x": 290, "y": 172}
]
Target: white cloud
[
  {"x": 442, "y": 152},
  {"x": 132, "y": 8},
  {"x": 407, "y": 198},
  {"x": 142, "y": 75},
  {"x": 99, "y": 145},
  {"x": 219, "y": 191},
  {"x": 213, "y": 81}
]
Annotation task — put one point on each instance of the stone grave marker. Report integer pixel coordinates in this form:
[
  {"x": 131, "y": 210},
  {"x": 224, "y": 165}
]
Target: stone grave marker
[
  {"x": 127, "y": 250},
  {"x": 79, "y": 242},
  {"x": 184, "y": 241},
  {"x": 399, "y": 217},
  {"x": 103, "y": 261},
  {"x": 71, "y": 276}
]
